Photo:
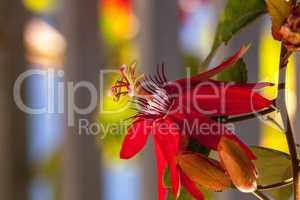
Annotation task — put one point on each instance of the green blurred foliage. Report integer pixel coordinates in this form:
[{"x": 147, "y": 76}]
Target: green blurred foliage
[
  {"x": 50, "y": 168},
  {"x": 236, "y": 16},
  {"x": 113, "y": 120},
  {"x": 40, "y": 6},
  {"x": 184, "y": 195},
  {"x": 118, "y": 26},
  {"x": 191, "y": 64}
]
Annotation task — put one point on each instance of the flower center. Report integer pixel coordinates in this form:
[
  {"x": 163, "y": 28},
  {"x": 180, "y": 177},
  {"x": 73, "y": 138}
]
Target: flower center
[
  {"x": 149, "y": 93},
  {"x": 156, "y": 102},
  {"x": 123, "y": 86}
]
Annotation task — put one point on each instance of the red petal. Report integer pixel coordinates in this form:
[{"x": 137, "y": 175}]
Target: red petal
[
  {"x": 191, "y": 187},
  {"x": 136, "y": 138},
  {"x": 161, "y": 164},
  {"x": 168, "y": 137},
  {"x": 223, "y": 99},
  {"x": 210, "y": 73},
  {"x": 175, "y": 178},
  {"x": 210, "y": 134}
]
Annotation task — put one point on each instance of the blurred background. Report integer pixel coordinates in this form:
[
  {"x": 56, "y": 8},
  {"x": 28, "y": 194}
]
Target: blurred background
[{"x": 41, "y": 158}]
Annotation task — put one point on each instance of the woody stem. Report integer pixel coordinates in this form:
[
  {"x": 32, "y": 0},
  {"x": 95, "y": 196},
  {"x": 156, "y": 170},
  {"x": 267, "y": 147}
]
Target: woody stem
[
  {"x": 289, "y": 132},
  {"x": 249, "y": 116}
]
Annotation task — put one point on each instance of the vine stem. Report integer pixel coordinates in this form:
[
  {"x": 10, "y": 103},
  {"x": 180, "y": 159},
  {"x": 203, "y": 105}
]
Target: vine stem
[
  {"x": 284, "y": 55},
  {"x": 260, "y": 195},
  {"x": 249, "y": 116},
  {"x": 276, "y": 185}
]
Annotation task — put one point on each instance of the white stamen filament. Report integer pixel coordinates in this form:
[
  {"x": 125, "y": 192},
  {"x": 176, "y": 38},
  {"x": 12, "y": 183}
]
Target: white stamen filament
[{"x": 159, "y": 104}]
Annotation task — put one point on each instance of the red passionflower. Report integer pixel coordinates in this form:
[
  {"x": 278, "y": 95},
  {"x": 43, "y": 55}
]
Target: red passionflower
[{"x": 165, "y": 108}]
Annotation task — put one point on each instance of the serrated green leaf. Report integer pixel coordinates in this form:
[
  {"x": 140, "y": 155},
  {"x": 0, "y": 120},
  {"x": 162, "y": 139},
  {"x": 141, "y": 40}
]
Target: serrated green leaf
[
  {"x": 237, "y": 15},
  {"x": 237, "y": 73},
  {"x": 279, "y": 11},
  {"x": 273, "y": 166}
]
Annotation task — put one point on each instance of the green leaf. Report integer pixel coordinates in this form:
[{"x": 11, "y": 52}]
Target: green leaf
[
  {"x": 283, "y": 193},
  {"x": 273, "y": 166},
  {"x": 196, "y": 147},
  {"x": 191, "y": 62},
  {"x": 237, "y": 73},
  {"x": 237, "y": 15},
  {"x": 184, "y": 195},
  {"x": 279, "y": 11},
  {"x": 167, "y": 179}
]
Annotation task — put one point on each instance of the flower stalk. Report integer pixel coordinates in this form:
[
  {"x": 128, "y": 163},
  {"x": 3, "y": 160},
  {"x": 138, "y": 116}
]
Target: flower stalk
[
  {"x": 284, "y": 55},
  {"x": 249, "y": 116},
  {"x": 276, "y": 185},
  {"x": 260, "y": 195}
]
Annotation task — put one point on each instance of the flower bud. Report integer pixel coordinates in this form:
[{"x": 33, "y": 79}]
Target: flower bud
[
  {"x": 204, "y": 171},
  {"x": 237, "y": 164},
  {"x": 290, "y": 31}
]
